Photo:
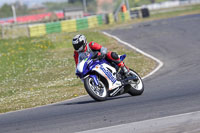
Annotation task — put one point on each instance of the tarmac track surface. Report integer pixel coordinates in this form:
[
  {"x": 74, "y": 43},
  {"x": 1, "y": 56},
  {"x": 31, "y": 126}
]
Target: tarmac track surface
[{"x": 174, "y": 89}]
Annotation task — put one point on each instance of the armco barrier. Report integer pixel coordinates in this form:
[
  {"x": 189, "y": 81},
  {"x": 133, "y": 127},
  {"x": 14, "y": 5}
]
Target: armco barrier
[
  {"x": 37, "y": 30},
  {"x": 69, "y": 25},
  {"x": 53, "y": 27}
]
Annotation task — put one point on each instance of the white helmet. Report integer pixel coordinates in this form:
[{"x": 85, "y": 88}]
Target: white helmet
[{"x": 79, "y": 42}]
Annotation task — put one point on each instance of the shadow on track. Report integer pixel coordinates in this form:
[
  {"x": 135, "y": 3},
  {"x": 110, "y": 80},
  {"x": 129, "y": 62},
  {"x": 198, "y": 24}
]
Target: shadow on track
[{"x": 91, "y": 101}]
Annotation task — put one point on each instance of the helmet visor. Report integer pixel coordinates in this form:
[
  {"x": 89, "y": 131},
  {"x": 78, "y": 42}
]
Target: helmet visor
[{"x": 77, "y": 46}]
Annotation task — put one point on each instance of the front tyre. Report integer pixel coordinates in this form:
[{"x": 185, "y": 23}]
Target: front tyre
[
  {"x": 135, "y": 88},
  {"x": 98, "y": 93}
]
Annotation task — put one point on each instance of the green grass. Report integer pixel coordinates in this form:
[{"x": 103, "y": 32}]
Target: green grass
[{"x": 39, "y": 71}]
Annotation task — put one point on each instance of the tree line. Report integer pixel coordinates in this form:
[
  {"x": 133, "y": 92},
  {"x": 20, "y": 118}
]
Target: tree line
[{"x": 6, "y": 10}]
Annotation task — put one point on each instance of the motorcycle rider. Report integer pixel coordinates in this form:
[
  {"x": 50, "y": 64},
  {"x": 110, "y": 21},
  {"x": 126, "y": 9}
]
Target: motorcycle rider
[{"x": 80, "y": 45}]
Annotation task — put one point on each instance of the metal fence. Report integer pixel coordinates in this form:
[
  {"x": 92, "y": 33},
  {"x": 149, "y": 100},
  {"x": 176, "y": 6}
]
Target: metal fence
[{"x": 14, "y": 31}]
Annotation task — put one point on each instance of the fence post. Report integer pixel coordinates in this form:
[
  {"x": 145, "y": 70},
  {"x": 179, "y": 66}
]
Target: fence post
[
  {"x": 28, "y": 31},
  {"x": 2, "y": 31}
]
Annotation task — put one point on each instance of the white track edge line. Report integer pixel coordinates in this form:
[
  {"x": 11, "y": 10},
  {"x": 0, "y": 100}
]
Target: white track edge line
[{"x": 160, "y": 63}]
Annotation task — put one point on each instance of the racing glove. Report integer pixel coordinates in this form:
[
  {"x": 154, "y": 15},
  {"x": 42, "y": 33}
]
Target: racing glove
[{"x": 100, "y": 56}]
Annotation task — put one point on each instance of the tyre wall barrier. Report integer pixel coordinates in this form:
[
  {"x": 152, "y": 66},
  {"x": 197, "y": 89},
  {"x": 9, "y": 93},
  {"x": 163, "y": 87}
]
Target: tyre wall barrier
[
  {"x": 120, "y": 17},
  {"x": 127, "y": 16},
  {"x": 66, "y": 25},
  {"x": 145, "y": 12},
  {"x": 82, "y": 23},
  {"x": 123, "y": 16},
  {"x": 37, "y": 30},
  {"x": 111, "y": 19},
  {"x": 100, "y": 19},
  {"x": 134, "y": 13},
  {"x": 53, "y": 27},
  {"x": 92, "y": 22},
  {"x": 139, "y": 12}
]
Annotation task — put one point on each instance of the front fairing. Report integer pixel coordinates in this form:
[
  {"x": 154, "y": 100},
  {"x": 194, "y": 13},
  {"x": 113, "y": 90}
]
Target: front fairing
[
  {"x": 82, "y": 69},
  {"x": 86, "y": 65}
]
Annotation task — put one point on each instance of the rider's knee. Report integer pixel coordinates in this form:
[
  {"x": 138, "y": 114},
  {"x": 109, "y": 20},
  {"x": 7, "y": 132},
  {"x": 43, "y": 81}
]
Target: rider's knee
[{"x": 115, "y": 56}]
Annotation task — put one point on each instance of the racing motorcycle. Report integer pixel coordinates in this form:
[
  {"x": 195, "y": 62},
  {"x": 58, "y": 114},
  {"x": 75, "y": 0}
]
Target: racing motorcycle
[{"x": 103, "y": 79}]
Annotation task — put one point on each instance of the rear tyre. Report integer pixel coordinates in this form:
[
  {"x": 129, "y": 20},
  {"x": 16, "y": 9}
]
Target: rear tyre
[
  {"x": 135, "y": 88},
  {"x": 98, "y": 93}
]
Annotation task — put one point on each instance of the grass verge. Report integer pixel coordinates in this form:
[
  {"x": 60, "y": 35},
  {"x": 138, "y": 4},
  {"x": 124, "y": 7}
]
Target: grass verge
[{"x": 39, "y": 71}]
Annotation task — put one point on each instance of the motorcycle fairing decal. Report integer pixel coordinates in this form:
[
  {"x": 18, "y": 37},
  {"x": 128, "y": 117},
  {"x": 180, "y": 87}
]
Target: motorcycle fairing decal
[{"x": 108, "y": 74}]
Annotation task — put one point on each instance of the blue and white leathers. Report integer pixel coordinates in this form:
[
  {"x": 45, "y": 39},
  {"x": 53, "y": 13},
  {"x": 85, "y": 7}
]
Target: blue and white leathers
[{"x": 87, "y": 66}]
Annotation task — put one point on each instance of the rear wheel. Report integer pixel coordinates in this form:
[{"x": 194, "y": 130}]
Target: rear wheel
[
  {"x": 135, "y": 88},
  {"x": 98, "y": 93}
]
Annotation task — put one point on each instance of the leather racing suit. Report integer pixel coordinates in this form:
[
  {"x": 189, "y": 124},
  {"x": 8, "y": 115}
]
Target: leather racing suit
[{"x": 93, "y": 46}]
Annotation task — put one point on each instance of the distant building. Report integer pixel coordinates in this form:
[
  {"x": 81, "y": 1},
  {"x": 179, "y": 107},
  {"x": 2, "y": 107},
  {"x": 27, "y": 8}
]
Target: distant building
[
  {"x": 36, "y": 9},
  {"x": 73, "y": 13},
  {"x": 104, "y": 6}
]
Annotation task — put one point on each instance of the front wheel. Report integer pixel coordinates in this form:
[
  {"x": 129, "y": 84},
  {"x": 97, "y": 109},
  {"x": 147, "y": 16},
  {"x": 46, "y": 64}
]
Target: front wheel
[
  {"x": 135, "y": 88},
  {"x": 98, "y": 93}
]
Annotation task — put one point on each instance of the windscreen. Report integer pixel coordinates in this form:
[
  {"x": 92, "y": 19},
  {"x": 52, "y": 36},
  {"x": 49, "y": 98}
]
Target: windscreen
[{"x": 82, "y": 56}]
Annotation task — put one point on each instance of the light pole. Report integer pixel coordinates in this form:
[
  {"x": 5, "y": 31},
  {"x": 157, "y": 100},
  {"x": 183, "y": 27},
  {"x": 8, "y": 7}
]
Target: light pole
[
  {"x": 127, "y": 4},
  {"x": 14, "y": 13},
  {"x": 84, "y": 6}
]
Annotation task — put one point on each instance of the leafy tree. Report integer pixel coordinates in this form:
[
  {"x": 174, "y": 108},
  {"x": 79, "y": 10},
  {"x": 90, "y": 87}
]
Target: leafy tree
[
  {"x": 5, "y": 11},
  {"x": 21, "y": 9},
  {"x": 53, "y": 6},
  {"x": 135, "y": 3},
  {"x": 92, "y": 6},
  {"x": 73, "y": 1}
]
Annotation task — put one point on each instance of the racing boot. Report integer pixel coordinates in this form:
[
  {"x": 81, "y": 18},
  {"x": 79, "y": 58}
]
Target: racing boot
[
  {"x": 124, "y": 68},
  {"x": 126, "y": 71}
]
